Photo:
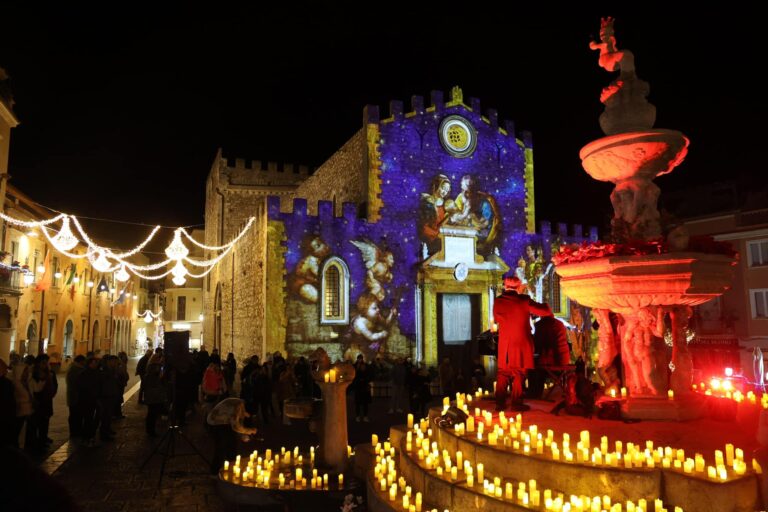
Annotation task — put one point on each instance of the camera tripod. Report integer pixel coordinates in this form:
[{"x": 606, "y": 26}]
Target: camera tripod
[{"x": 167, "y": 445}]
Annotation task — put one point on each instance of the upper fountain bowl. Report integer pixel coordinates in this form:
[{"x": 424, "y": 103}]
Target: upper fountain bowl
[{"x": 640, "y": 155}]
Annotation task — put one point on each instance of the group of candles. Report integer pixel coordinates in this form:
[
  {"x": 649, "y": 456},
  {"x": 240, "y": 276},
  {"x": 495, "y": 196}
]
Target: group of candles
[
  {"x": 724, "y": 389},
  {"x": 624, "y": 393},
  {"x": 446, "y": 467},
  {"x": 509, "y": 433},
  {"x": 257, "y": 471},
  {"x": 331, "y": 376}
]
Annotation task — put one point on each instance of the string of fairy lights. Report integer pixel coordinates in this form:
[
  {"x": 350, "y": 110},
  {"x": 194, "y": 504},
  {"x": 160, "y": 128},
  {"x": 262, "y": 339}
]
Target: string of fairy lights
[{"x": 105, "y": 259}]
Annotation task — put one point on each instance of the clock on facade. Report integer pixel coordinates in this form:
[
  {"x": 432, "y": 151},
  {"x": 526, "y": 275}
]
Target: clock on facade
[
  {"x": 460, "y": 271},
  {"x": 457, "y": 136}
]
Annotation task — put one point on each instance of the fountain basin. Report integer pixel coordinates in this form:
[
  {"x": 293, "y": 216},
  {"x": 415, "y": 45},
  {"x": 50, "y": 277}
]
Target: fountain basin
[
  {"x": 626, "y": 283},
  {"x": 643, "y": 155}
]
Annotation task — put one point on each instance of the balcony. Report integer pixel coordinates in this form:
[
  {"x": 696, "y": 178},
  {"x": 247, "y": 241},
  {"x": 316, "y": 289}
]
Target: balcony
[{"x": 10, "y": 283}]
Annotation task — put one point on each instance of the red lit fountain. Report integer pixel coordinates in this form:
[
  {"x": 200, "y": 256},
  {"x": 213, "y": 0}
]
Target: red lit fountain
[{"x": 643, "y": 276}]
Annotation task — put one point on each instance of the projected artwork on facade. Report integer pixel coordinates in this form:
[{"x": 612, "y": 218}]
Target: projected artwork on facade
[{"x": 418, "y": 212}]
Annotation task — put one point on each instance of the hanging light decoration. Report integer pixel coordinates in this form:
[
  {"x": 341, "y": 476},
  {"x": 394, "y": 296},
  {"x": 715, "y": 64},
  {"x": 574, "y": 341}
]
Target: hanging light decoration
[
  {"x": 104, "y": 259},
  {"x": 148, "y": 318},
  {"x": 177, "y": 251},
  {"x": 64, "y": 239},
  {"x": 100, "y": 263},
  {"x": 122, "y": 275},
  {"x": 28, "y": 278},
  {"x": 40, "y": 268}
]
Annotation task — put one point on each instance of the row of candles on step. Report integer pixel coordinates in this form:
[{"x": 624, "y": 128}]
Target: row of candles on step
[
  {"x": 623, "y": 392},
  {"x": 724, "y": 389},
  {"x": 526, "y": 493},
  {"x": 256, "y": 471},
  {"x": 508, "y": 433}
]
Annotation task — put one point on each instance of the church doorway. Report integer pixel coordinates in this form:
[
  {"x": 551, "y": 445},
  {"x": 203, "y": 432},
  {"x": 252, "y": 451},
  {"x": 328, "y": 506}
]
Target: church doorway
[{"x": 459, "y": 320}]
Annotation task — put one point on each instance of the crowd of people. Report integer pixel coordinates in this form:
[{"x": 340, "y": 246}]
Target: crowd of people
[{"x": 94, "y": 386}]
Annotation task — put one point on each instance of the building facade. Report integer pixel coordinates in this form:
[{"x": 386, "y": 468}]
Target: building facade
[
  {"x": 396, "y": 245},
  {"x": 737, "y": 322}
]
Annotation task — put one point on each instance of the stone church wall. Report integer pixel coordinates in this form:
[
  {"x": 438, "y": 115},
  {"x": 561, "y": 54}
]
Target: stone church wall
[{"x": 343, "y": 176}]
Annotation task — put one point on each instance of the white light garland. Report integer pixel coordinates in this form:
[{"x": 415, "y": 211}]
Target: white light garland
[{"x": 104, "y": 259}]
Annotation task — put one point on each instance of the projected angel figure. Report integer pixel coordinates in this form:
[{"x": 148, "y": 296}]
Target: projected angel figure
[{"x": 379, "y": 265}]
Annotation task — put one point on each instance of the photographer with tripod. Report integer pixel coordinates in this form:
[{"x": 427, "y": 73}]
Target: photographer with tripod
[{"x": 177, "y": 377}]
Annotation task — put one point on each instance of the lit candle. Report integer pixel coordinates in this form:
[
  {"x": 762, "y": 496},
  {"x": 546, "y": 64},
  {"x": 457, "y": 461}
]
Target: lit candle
[
  {"x": 454, "y": 474},
  {"x": 470, "y": 480},
  {"x": 671, "y": 394},
  {"x": 393, "y": 493},
  {"x": 729, "y": 454},
  {"x": 326, "y": 377},
  {"x": 298, "y": 474},
  {"x": 226, "y": 466},
  {"x": 333, "y": 375},
  {"x": 480, "y": 472},
  {"x": 374, "y": 439},
  {"x": 613, "y": 393},
  {"x": 711, "y": 472},
  {"x": 623, "y": 392},
  {"x": 470, "y": 424},
  {"x": 341, "y": 480},
  {"x": 280, "y": 480},
  {"x": 418, "y": 502},
  {"x": 406, "y": 501},
  {"x": 383, "y": 483},
  {"x": 410, "y": 421}
]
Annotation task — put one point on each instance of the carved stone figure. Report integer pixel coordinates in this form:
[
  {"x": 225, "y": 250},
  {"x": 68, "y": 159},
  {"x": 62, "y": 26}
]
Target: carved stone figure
[{"x": 626, "y": 107}]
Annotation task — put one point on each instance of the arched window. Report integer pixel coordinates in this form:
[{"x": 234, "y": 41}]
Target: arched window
[
  {"x": 334, "y": 299},
  {"x": 556, "y": 298}
]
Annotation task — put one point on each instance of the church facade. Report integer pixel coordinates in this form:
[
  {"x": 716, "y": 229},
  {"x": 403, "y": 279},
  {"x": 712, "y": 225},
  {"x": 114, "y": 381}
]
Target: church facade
[{"x": 395, "y": 246}]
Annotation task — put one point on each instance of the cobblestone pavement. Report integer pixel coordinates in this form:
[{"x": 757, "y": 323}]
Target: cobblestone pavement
[{"x": 108, "y": 477}]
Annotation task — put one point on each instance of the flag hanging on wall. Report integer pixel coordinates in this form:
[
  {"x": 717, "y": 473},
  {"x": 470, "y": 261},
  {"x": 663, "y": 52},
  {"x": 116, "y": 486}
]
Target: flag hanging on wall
[{"x": 45, "y": 280}]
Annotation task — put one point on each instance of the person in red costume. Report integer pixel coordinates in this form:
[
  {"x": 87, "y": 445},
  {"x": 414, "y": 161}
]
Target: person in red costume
[{"x": 512, "y": 312}]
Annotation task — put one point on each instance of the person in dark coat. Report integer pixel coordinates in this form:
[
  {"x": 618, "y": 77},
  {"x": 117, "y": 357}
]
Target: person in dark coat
[
  {"x": 109, "y": 397},
  {"x": 550, "y": 342},
  {"x": 88, "y": 386},
  {"x": 512, "y": 312},
  {"x": 155, "y": 393},
  {"x": 230, "y": 370},
  {"x": 75, "y": 415},
  {"x": 44, "y": 386},
  {"x": 141, "y": 370},
  {"x": 362, "y": 389},
  {"x": 7, "y": 408}
]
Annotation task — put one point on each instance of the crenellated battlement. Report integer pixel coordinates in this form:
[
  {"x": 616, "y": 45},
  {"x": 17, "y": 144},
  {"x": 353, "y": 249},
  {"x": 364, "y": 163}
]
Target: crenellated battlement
[
  {"x": 396, "y": 110},
  {"x": 577, "y": 233},
  {"x": 241, "y": 164},
  {"x": 279, "y": 209},
  {"x": 258, "y": 173}
]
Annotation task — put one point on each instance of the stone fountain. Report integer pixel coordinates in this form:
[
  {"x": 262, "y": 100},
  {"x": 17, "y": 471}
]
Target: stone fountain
[{"x": 642, "y": 290}]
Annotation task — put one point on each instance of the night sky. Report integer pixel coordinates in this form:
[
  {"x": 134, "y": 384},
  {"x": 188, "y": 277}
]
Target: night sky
[{"x": 122, "y": 111}]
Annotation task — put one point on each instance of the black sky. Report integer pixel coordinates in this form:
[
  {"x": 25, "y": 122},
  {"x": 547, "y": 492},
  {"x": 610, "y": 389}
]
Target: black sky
[{"x": 122, "y": 111}]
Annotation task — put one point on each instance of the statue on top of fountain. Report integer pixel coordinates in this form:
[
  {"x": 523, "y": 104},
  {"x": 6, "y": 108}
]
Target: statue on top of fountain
[{"x": 626, "y": 106}]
